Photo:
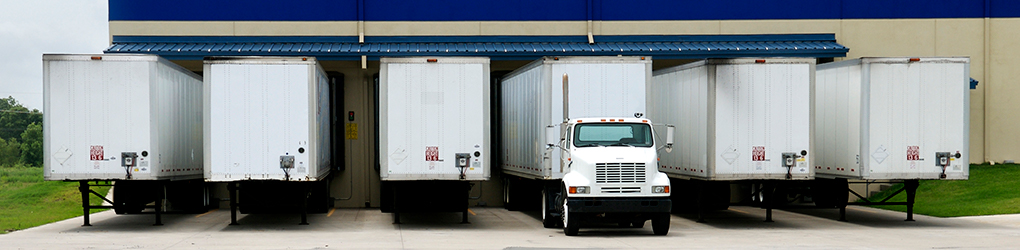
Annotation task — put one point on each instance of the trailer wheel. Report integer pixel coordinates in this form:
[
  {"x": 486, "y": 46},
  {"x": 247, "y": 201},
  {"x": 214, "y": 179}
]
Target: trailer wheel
[
  {"x": 506, "y": 194},
  {"x": 570, "y": 225},
  {"x": 660, "y": 224},
  {"x": 130, "y": 197},
  {"x": 548, "y": 220}
]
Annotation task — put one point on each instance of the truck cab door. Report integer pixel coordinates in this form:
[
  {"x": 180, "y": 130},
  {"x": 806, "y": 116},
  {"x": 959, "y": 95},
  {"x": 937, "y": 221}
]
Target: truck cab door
[{"x": 565, "y": 145}]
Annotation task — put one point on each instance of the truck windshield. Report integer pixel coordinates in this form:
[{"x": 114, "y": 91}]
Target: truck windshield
[{"x": 612, "y": 134}]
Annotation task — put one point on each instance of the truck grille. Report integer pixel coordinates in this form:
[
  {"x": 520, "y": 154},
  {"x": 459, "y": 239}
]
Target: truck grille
[
  {"x": 619, "y": 173},
  {"x": 620, "y": 190}
]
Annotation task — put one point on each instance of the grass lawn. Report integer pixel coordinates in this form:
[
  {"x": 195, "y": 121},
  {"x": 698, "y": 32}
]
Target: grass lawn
[
  {"x": 990, "y": 190},
  {"x": 27, "y": 201}
]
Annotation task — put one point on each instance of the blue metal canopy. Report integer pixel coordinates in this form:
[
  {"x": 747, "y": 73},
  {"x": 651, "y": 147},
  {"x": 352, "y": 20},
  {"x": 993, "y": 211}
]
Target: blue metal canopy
[{"x": 505, "y": 48}]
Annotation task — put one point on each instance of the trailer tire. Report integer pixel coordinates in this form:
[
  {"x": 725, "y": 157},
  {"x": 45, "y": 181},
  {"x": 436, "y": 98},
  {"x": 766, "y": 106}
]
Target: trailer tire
[
  {"x": 548, "y": 219},
  {"x": 660, "y": 224},
  {"x": 131, "y": 197},
  {"x": 509, "y": 200}
]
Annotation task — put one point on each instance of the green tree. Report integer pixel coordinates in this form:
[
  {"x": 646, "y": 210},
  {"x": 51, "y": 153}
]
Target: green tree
[
  {"x": 32, "y": 145},
  {"x": 10, "y": 153},
  {"x": 14, "y": 118}
]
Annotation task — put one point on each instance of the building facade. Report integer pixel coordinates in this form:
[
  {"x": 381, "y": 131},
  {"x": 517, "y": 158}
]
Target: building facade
[{"x": 349, "y": 36}]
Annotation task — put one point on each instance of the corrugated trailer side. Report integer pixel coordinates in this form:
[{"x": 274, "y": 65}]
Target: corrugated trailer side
[
  {"x": 680, "y": 97},
  {"x": 434, "y": 134},
  {"x": 891, "y": 118},
  {"x": 267, "y": 133},
  {"x": 743, "y": 123},
  {"x": 533, "y": 99},
  {"x": 262, "y": 113},
  {"x": 740, "y": 119},
  {"x": 133, "y": 119},
  {"x": 431, "y": 111},
  {"x": 99, "y": 106},
  {"x": 526, "y": 110}
]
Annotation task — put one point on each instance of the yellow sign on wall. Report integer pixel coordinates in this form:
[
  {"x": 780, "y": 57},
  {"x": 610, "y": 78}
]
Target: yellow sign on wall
[{"x": 352, "y": 131}]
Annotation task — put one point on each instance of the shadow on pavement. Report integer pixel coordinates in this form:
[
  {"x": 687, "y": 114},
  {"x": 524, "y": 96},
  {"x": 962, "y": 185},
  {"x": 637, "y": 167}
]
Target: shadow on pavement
[
  {"x": 873, "y": 217},
  {"x": 741, "y": 218}
]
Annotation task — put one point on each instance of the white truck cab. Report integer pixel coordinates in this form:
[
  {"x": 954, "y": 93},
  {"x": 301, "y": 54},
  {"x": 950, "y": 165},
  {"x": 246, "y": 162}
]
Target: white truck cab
[{"x": 611, "y": 173}]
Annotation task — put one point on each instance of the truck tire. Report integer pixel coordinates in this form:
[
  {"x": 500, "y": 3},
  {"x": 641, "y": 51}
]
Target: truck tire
[
  {"x": 571, "y": 221},
  {"x": 660, "y": 224}
]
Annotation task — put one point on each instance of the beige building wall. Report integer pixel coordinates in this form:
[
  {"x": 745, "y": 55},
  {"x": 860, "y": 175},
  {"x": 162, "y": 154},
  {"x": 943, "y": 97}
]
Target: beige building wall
[
  {"x": 990, "y": 43},
  {"x": 1002, "y": 93}
]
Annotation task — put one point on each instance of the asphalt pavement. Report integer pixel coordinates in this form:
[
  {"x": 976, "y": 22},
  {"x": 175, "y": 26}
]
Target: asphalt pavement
[{"x": 496, "y": 228}]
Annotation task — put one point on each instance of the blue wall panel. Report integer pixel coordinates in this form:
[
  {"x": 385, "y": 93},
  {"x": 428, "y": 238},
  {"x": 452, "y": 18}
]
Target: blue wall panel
[
  {"x": 233, "y": 10},
  {"x": 475, "y": 10},
  {"x": 718, "y": 10},
  {"x": 555, "y": 10},
  {"x": 913, "y": 9},
  {"x": 1003, "y": 8}
]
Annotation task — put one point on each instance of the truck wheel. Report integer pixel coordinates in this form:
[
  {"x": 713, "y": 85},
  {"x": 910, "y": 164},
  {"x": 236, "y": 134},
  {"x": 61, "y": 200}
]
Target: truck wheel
[
  {"x": 571, "y": 223},
  {"x": 548, "y": 220},
  {"x": 660, "y": 224}
]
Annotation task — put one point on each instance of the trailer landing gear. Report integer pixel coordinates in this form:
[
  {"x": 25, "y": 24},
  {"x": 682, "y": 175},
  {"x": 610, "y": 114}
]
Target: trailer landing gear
[
  {"x": 232, "y": 189},
  {"x": 85, "y": 189},
  {"x": 910, "y": 186}
]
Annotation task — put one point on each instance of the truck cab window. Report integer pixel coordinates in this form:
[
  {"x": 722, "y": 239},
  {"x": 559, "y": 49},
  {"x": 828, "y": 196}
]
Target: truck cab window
[{"x": 612, "y": 134}]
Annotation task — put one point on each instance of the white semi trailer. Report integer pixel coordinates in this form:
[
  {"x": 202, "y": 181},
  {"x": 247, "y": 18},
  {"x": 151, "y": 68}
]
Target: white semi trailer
[
  {"x": 135, "y": 120},
  {"x": 890, "y": 119},
  {"x": 267, "y": 123},
  {"x": 740, "y": 120},
  {"x": 574, "y": 136},
  {"x": 434, "y": 132}
]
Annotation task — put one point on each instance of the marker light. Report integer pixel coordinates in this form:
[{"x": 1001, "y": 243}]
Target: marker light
[
  {"x": 579, "y": 190},
  {"x": 432, "y": 60},
  {"x": 759, "y": 61}
]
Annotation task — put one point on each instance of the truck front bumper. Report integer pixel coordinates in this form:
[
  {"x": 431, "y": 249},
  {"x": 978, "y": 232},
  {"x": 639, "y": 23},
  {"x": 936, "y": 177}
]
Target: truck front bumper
[{"x": 619, "y": 205}]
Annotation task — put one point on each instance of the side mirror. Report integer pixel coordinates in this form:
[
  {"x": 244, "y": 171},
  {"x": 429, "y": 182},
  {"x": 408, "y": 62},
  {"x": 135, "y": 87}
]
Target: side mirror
[
  {"x": 670, "y": 130},
  {"x": 552, "y": 136}
]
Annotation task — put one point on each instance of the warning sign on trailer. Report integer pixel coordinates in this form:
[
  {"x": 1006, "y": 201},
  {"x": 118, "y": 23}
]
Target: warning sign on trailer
[
  {"x": 758, "y": 153},
  {"x": 913, "y": 153},
  {"x": 96, "y": 153},
  {"x": 432, "y": 153}
]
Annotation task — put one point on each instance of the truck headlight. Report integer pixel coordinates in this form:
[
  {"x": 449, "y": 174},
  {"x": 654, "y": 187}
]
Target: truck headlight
[
  {"x": 579, "y": 190},
  {"x": 660, "y": 189}
]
